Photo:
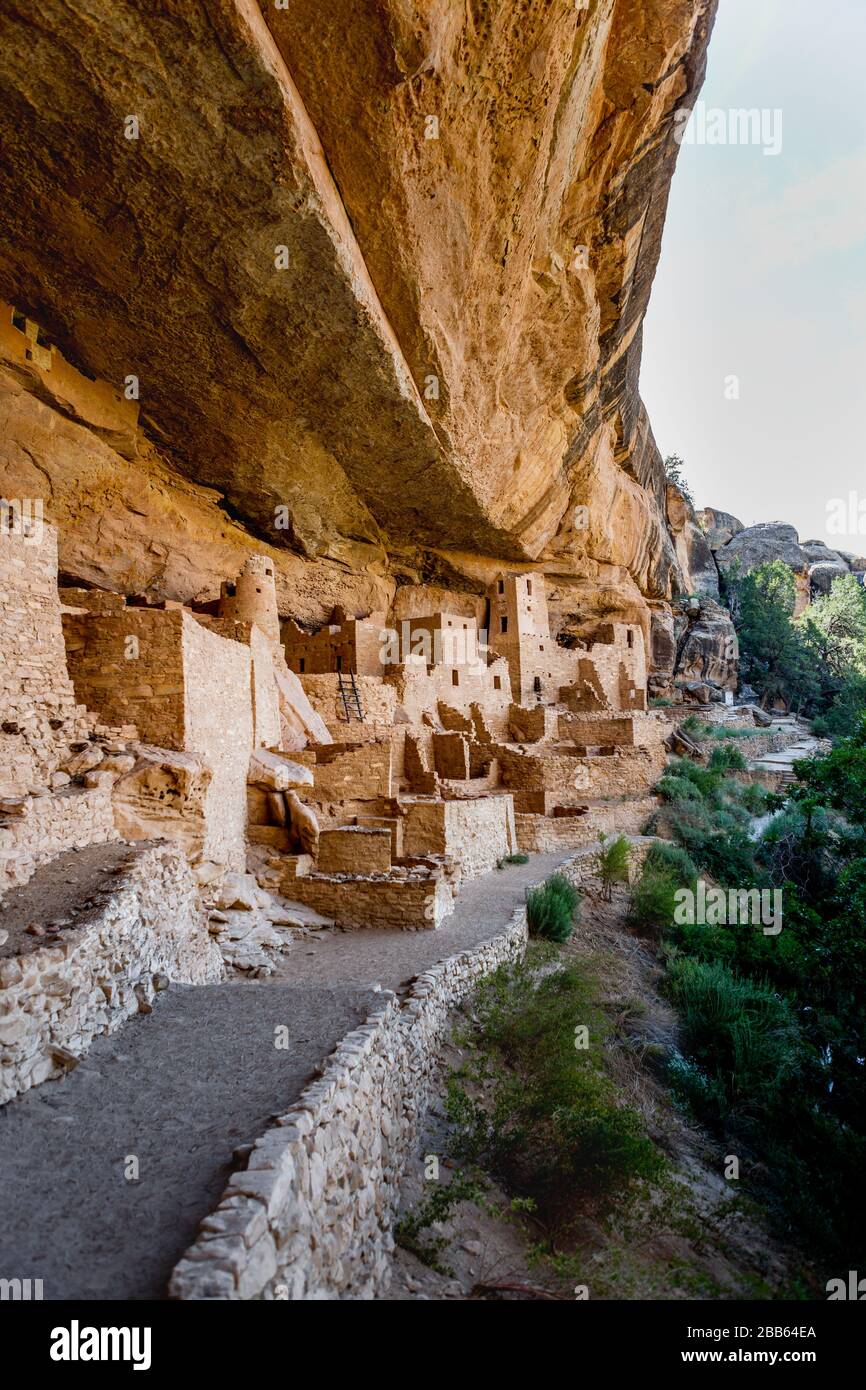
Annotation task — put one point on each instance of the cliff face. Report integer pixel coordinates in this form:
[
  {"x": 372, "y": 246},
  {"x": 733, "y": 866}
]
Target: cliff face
[{"x": 380, "y": 276}]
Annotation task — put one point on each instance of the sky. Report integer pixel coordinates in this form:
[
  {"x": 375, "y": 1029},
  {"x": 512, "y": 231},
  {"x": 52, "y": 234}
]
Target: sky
[{"x": 762, "y": 277}]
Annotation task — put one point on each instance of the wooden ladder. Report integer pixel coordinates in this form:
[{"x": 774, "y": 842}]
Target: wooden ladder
[{"x": 349, "y": 692}]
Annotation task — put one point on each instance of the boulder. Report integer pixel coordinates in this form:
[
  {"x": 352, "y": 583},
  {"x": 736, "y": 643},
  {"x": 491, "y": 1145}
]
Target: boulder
[
  {"x": 304, "y": 824},
  {"x": 822, "y": 576},
  {"x": 718, "y": 527},
  {"x": 275, "y": 773},
  {"x": 299, "y": 722},
  {"x": 163, "y": 797},
  {"x": 758, "y": 545},
  {"x": 709, "y": 651},
  {"x": 83, "y": 760},
  {"x": 240, "y": 893},
  {"x": 821, "y": 554}
]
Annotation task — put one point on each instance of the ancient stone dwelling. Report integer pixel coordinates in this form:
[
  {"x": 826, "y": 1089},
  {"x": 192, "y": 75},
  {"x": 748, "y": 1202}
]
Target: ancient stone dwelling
[
  {"x": 337, "y": 560},
  {"x": 363, "y": 780}
]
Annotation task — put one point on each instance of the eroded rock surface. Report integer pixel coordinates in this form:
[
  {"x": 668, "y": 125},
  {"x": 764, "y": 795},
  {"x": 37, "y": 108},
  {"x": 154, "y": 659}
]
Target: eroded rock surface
[
  {"x": 383, "y": 354},
  {"x": 695, "y": 555},
  {"x": 718, "y": 527}
]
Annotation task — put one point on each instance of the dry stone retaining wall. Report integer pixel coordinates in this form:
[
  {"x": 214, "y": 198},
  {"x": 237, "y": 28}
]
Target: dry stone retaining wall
[
  {"x": 311, "y": 1217},
  {"x": 544, "y": 834},
  {"x": 405, "y": 900},
  {"x": 69, "y": 819},
  {"x": 62, "y": 996}
]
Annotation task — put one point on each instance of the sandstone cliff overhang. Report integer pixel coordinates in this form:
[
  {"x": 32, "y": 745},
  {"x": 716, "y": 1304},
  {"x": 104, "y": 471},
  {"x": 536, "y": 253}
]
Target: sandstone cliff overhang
[{"x": 400, "y": 341}]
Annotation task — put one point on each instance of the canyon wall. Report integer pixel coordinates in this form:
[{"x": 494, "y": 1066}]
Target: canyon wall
[{"x": 360, "y": 288}]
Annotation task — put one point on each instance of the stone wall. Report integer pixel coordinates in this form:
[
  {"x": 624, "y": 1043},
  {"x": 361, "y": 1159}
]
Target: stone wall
[
  {"x": 422, "y": 688},
  {"x": 187, "y": 688},
  {"x": 546, "y": 834},
  {"x": 355, "y": 849},
  {"x": 474, "y": 833},
  {"x": 48, "y": 825},
  {"x": 451, "y": 756},
  {"x": 378, "y": 704},
  {"x": 531, "y": 724},
  {"x": 758, "y": 744},
  {"x": 62, "y": 996},
  {"x": 311, "y": 1217},
  {"x": 348, "y": 772},
  {"x": 598, "y": 730},
  {"x": 36, "y": 695},
  {"x": 128, "y": 666},
  {"x": 264, "y": 689},
  {"x": 414, "y": 900},
  {"x": 219, "y": 727},
  {"x": 627, "y": 772}
]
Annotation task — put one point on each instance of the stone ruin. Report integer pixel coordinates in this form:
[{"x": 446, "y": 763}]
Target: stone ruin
[{"x": 179, "y": 766}]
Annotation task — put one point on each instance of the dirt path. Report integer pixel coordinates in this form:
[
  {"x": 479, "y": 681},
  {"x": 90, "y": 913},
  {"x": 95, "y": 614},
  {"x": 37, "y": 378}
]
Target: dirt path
[
  {"x": 179, "y": 1089},
  {"x": 392, "y": 958}
]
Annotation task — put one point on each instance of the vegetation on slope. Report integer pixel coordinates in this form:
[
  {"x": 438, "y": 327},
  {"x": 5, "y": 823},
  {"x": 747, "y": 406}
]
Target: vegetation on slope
[
  {"x": 774, "y": 1026},
  {"x": 815, "y": 664}
]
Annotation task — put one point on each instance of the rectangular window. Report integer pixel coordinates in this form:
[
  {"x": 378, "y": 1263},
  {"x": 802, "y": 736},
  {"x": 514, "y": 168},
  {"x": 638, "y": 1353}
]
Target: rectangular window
[
  {"x": 503, "y": 624},
  {"x": 497, "y": 682},
  {"x": 501, "y": 586},
  {"x": 455, "y": 677}
]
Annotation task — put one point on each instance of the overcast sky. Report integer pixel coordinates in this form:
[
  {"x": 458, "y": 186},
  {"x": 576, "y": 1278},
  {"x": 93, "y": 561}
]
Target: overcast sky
[{"x": 763, "y": 276}]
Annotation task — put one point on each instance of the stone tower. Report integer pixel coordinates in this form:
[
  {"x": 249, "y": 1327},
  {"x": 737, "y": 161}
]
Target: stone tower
[
  {"x": 252, "y": 597},
  {"x": 520, "y": 631}
]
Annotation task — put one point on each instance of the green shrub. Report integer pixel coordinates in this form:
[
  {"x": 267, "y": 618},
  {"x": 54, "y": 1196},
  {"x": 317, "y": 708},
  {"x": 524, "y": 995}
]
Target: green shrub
[
  {"x": 692, "y": 1087},
  {"x": 727, "y": 759},
  {"x": 674, "y": 861},
  {"x": 613, "y": 863},
  {"x": 676, "y": 789},
  {"x": 753, "y": 798},
  {"x": 717, "y": 840},
  {"x": 547, "y": 1120},
  {"x": 706, "y": 779},
  {"x": 409, "y": 1231},
  {"x": 551, "y": 907},
  {"x": 515, "y": 859},
  {"x": 653, "y": 899},
  {"x": 739, "y": 1032}
]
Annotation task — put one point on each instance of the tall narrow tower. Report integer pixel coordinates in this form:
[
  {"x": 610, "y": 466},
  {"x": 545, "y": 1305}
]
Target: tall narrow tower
[
  {"x": 252, "y": 597},
  {"x": 520, "y": 629}
]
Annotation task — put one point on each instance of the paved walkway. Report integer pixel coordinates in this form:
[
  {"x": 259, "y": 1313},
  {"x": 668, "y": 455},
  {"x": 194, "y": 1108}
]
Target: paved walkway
[{"x": 180, "y": 1088}]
